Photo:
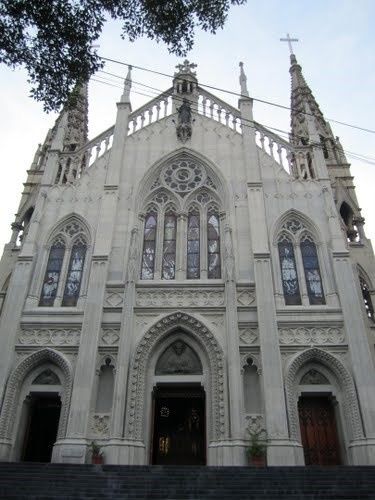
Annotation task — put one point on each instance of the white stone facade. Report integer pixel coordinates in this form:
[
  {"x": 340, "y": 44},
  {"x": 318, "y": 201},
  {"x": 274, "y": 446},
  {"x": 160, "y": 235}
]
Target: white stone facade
[{"x": 206, "y": 159}]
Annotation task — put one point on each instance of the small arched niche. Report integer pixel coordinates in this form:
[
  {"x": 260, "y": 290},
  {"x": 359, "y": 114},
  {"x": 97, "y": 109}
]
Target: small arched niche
[
  {"x": 104, "y": 397},
  {"x": 178, "y": 359},
  {"x": 252, "y": 392}
]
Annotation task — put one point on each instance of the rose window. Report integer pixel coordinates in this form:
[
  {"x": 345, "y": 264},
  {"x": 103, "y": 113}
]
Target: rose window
[{"x": 183, "y": 176}]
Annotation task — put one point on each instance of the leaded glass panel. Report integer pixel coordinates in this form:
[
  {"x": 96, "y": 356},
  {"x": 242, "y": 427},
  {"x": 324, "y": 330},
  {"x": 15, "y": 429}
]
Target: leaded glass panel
[
  {"x": 169, "y": 247},
  {"x": 193, "y": 246},
  {"x": 149, "y": 243},
  {"x": 213, "y": 247},
  {"x": 52, "y": 276},
  {"x": 74, "y": 276},
  {"x": 367, "y": 299},
  {"x": 312, "y": 272},
  {"x": 289, "y": 276}
]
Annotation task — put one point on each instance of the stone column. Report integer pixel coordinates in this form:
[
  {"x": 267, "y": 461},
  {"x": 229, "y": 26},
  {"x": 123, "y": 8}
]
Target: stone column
[{"x": 280, "y": 450}]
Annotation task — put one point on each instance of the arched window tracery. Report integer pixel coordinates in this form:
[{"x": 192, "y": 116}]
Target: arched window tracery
[
  {"x": 299, "y": 264},
  {"x": 186, "y": 224},
  {"x": 65, "y": 266},
  {"x": 366, "y": 295}
]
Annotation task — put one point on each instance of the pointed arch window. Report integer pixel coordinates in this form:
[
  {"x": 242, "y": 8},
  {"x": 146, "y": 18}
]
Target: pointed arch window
[
  {"x": 213, "y": 246},
  {"x": 367, "y": 298},
  {"x": 289, "y": 276},
  {"x": 193, "y": 246},
  {"x": 311, "y": 269},
  {"x": 169, "y": 247},
  {"x": 149, "y": 247},
  {"x": 53, "y": 272},
  {"x": 74, "y": 276}
]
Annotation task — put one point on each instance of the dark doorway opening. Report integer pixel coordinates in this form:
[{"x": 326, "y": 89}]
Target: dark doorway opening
[
  {"x": 41, "y": 431},
  {"x": 179, "y": 426},
  {"x": 319, "y": 431}
]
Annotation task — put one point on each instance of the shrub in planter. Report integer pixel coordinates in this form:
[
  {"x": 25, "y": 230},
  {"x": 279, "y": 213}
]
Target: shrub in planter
[
  {"x": 256, "y": 451},
  {"x": 96, "y": 453}
]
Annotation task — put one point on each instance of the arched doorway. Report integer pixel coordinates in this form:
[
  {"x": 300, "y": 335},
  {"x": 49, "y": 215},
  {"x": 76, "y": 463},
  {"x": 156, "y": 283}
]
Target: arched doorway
[{"x": 179, "y": 409}]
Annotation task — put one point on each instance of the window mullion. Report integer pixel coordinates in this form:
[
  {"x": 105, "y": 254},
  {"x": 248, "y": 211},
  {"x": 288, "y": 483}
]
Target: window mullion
[
  {"x": 301, "y": 275},
  {"x": 63, "y": 276},
  {"x": 159, "y": 246},
  {"x": 203, "y": 243},
  {"x": 181, "y": 246}
]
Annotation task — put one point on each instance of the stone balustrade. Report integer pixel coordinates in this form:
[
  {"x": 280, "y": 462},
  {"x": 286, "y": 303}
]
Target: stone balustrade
[
  {"x": 216, "y": 109},
  {"x": 151, "y": 112}
]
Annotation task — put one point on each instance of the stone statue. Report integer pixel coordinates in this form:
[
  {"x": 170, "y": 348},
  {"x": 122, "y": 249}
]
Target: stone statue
[{"x": 184, "y": 121}]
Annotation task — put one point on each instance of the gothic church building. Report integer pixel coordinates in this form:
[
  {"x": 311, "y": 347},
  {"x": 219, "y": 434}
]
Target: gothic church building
[{"x": 183, "y": 280}]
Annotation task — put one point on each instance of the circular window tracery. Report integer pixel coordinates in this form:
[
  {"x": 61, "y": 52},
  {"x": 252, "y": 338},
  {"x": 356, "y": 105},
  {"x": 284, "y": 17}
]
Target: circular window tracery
[{"x": 183, "y": 176}]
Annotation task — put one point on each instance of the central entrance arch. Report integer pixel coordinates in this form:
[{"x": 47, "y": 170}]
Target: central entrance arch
[{"x": 178, "y": 436}]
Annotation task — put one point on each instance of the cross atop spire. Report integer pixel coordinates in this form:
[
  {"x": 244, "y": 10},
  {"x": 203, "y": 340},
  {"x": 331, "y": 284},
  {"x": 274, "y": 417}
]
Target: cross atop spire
[
  {"x": 186, "y": 67},
  {"x": 289, "y": 40}
]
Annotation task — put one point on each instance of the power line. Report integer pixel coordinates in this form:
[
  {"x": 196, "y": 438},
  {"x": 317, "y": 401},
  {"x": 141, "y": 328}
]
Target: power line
[
  {"x": 263, "y": 101},
  {"x": 250, "y": 124}
]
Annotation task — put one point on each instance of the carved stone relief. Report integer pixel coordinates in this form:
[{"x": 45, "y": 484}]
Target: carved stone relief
[
  {"x": 113, "y": 299},
  {"x": 49, "y": 336},
  {"x": 245, "y": 298},
  {"x": 99, "y": 424},
  {"x": 179, "y": 298},
  {"x": 254, "y": 422},
  {"x": 110, "y": 336},
  {"x": 134, "y": 425},
  {"x": 311, "y": 336},
  {"x": 248, "y": 335}
]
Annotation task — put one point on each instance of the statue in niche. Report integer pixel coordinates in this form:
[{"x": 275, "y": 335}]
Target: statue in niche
[
  {"x": 184, "y": 121},
  {"x": 178, "y": 358}
]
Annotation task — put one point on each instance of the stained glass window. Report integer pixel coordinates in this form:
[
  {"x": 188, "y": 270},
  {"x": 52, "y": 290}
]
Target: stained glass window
[
  {"x": 312, "y": 273},
  {"x": 367, "y": 298},
  {"x": 169, "y": 247},
  {"x": 149, "y": 243},
  {"x": 193, "y": 246},
  {"x": 52, "y": 276},
  {"x": 213, "y": 246},
  {"x": 289, "y": 272},
  {"x": 74, "y": 276}
]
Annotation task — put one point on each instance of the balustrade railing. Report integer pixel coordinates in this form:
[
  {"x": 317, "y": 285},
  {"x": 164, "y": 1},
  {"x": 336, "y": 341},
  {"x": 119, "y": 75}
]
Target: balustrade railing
[
  {"x": 216, "y": 109},
  {"x": 151, "y": 112}
]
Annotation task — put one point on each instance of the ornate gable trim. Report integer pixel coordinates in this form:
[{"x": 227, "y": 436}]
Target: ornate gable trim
[
  {"x": 16, "y": 379},
  {"x": 143, "y": 352},
  {"x": 350, "y": 409}
]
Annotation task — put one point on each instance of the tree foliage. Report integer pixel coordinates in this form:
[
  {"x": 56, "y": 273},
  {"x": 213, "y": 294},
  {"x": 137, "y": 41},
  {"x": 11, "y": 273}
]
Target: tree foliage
[{"x": 53, "y": 39}]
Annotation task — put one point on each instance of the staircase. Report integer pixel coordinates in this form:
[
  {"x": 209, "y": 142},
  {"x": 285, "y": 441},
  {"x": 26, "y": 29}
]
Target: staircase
[{"x": 63, "y": 481}]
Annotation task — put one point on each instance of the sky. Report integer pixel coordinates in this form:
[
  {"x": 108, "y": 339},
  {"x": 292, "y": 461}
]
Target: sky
[{"x": 335, "y": 48}]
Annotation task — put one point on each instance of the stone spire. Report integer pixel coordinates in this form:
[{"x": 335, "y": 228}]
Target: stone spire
[
  {"x": 303, "y": 105},
  {"x": 127, "y": 86},
  {"x": 243, "y": 81},
  {"x": 77, "y": 119}
]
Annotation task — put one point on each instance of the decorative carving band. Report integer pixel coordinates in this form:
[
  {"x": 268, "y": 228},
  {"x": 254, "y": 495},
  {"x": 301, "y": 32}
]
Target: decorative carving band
[
  {"x": 49, "y": 336},
  {"x": 308, "y": 336},
  {"x": 14, "y": 387},
  {"x": 140, "y": 361},
  {"x": 341, "y": 376},
  {"x": 180, "y": 298}
]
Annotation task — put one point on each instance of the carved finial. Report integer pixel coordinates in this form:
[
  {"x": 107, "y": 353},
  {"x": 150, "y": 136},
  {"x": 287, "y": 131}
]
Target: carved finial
[
  {"x": 243, "y": 81},
  {"x": 186, "y": 67},
  {"x": 127, "y": 85}
]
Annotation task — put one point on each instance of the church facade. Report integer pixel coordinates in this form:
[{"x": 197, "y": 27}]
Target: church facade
[{"x": 186, "y": 282}]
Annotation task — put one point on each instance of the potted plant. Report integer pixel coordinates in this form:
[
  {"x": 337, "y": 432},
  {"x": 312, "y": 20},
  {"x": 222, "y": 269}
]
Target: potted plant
[
  {"x": 256, "y": 451},
  {"x": 96, "y": 453}
]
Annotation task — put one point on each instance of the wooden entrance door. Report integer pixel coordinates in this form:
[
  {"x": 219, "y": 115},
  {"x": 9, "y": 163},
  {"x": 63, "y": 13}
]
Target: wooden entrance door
[
  {"x": 179, "y": 426},
  {"x": 42, "y": 428},
  {"x": 318, "y": 431}
]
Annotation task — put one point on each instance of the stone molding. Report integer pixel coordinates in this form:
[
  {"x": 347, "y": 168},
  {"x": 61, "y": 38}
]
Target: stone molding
[
  {"x": 16, "y": 379},
  {"x": 113, "y": 298},
  {"x": 110, "y": 336},
  {"x": 350, "y": 410},
  {"x": 140, "y": 360},
  {"x": 311, "y": 335},
  {"x": 254, "y": 422},
  {"x": 99, "y": 424},
  {"x": 180, "y": 298},
  {"x": 49, "y": 336},
  {"x": 245, "y": 297}
]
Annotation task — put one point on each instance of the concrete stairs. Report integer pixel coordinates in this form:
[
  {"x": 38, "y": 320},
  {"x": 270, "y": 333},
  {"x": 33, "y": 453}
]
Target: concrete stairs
[{"x": 39, "y": 481}]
